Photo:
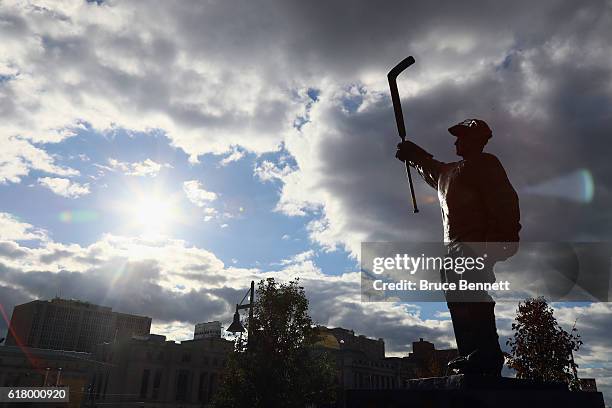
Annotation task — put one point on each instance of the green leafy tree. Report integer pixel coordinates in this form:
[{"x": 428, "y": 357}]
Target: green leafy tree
[
  {"x": 540, "y": 348},
  {"x": 278, "y": 365}
]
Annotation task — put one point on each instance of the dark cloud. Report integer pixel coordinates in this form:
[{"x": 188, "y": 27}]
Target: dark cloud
[
  {"x": 562, "y": 130},
  {"x": 12, "y": 250},
  {"x": 133, "y": 288},
  {"x": 55, "y": 255}
]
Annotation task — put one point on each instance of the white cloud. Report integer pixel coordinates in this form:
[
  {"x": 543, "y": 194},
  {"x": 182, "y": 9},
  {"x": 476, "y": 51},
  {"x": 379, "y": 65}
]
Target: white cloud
[
  {"x": 235, "y": 155},
  {"x": 299, "y": 258},
  {"x": 267, "y": 171},
  {"x": 18, "y": 156},
  {"x": 13, "y": 229},
  {"x": 176, "y": 330},
  {"x": 198, "y": 195},
  {"x": 294, "y": 198},
  {"x": 146, "y": 167},
  {"x": 64, "y": 187},
  {"x": 112, "y": 66}
]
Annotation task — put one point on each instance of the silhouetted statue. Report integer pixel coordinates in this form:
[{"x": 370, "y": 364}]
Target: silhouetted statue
[{"x": 479, "y": 205}]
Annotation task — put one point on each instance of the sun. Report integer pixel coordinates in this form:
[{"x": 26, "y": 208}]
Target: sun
[
  {"x": 150, "y": 213},
  {"x": 153, "y": 213}
]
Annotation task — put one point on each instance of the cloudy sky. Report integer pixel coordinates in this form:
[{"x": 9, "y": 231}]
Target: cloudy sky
[{"x": 157, "y": 156}]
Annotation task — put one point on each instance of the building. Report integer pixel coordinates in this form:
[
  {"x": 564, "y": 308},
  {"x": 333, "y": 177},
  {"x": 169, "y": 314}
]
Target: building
[
  {"x": 63, "y": 324},
  {"x": 361, "y": 362},
  {"x": 372, "y": 348},
  {"x": 426, "y": 361},
  {"x": 32, "y": 367},
  {"x": 149, "y": 371},
  {"x": 206, "y": 330}
]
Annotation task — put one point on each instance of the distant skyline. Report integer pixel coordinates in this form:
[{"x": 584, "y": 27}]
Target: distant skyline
[{"x": 156, "y": 157}]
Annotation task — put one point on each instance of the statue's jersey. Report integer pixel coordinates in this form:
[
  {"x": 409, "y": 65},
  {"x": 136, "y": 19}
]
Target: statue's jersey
[{"x": 478, "y": 202}]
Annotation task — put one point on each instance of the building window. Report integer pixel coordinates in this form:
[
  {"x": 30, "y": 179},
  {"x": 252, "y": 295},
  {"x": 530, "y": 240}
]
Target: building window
[{"x": 144, "y": 384}]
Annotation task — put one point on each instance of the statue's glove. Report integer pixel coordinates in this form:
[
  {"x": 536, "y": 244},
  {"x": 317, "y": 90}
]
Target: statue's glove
[{"x": 410, "y": 151}]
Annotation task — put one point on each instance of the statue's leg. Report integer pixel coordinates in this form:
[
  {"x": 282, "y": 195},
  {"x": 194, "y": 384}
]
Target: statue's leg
[
  {"x": 476, "y": 336},
  {"x": 460, "y": 314},
  {"x": 490, "y": 358},
  {"x": 477, "y": 339},
  {"x": 463, "y": 327},
  {"x": 473, "y": 317}
]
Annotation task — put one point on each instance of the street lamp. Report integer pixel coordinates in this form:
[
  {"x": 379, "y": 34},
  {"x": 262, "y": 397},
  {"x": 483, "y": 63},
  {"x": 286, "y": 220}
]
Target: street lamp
[{"x": 236, "y": 326}]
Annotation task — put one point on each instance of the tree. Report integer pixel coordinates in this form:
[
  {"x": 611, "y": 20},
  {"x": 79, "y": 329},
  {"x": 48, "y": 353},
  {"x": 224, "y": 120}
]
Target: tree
[
  {"x": 278, "y": 365},
  {"x": 540, "y": 348}
]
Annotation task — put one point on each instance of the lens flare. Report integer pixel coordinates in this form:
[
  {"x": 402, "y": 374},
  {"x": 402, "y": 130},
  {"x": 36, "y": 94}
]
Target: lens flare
[
  {"x": 78, "y": 216},
  {"x": 577, "y": 186}
]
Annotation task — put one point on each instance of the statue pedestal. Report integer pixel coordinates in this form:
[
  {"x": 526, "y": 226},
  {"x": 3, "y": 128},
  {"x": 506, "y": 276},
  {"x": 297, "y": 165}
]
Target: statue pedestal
[{"x": 458, "y": 391}]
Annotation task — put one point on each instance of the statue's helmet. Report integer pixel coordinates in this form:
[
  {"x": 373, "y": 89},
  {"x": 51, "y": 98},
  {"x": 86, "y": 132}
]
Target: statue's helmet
[{"x": 471, "y": 127}]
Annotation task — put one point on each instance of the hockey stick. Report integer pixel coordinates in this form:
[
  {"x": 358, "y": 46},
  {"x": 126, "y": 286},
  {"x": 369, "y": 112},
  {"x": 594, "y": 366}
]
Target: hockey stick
[{"x": 399, "y": 117}]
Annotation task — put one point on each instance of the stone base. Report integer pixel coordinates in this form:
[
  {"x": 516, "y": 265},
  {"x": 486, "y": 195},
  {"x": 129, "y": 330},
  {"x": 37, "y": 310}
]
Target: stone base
[{"x": 458, "y": 391}]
